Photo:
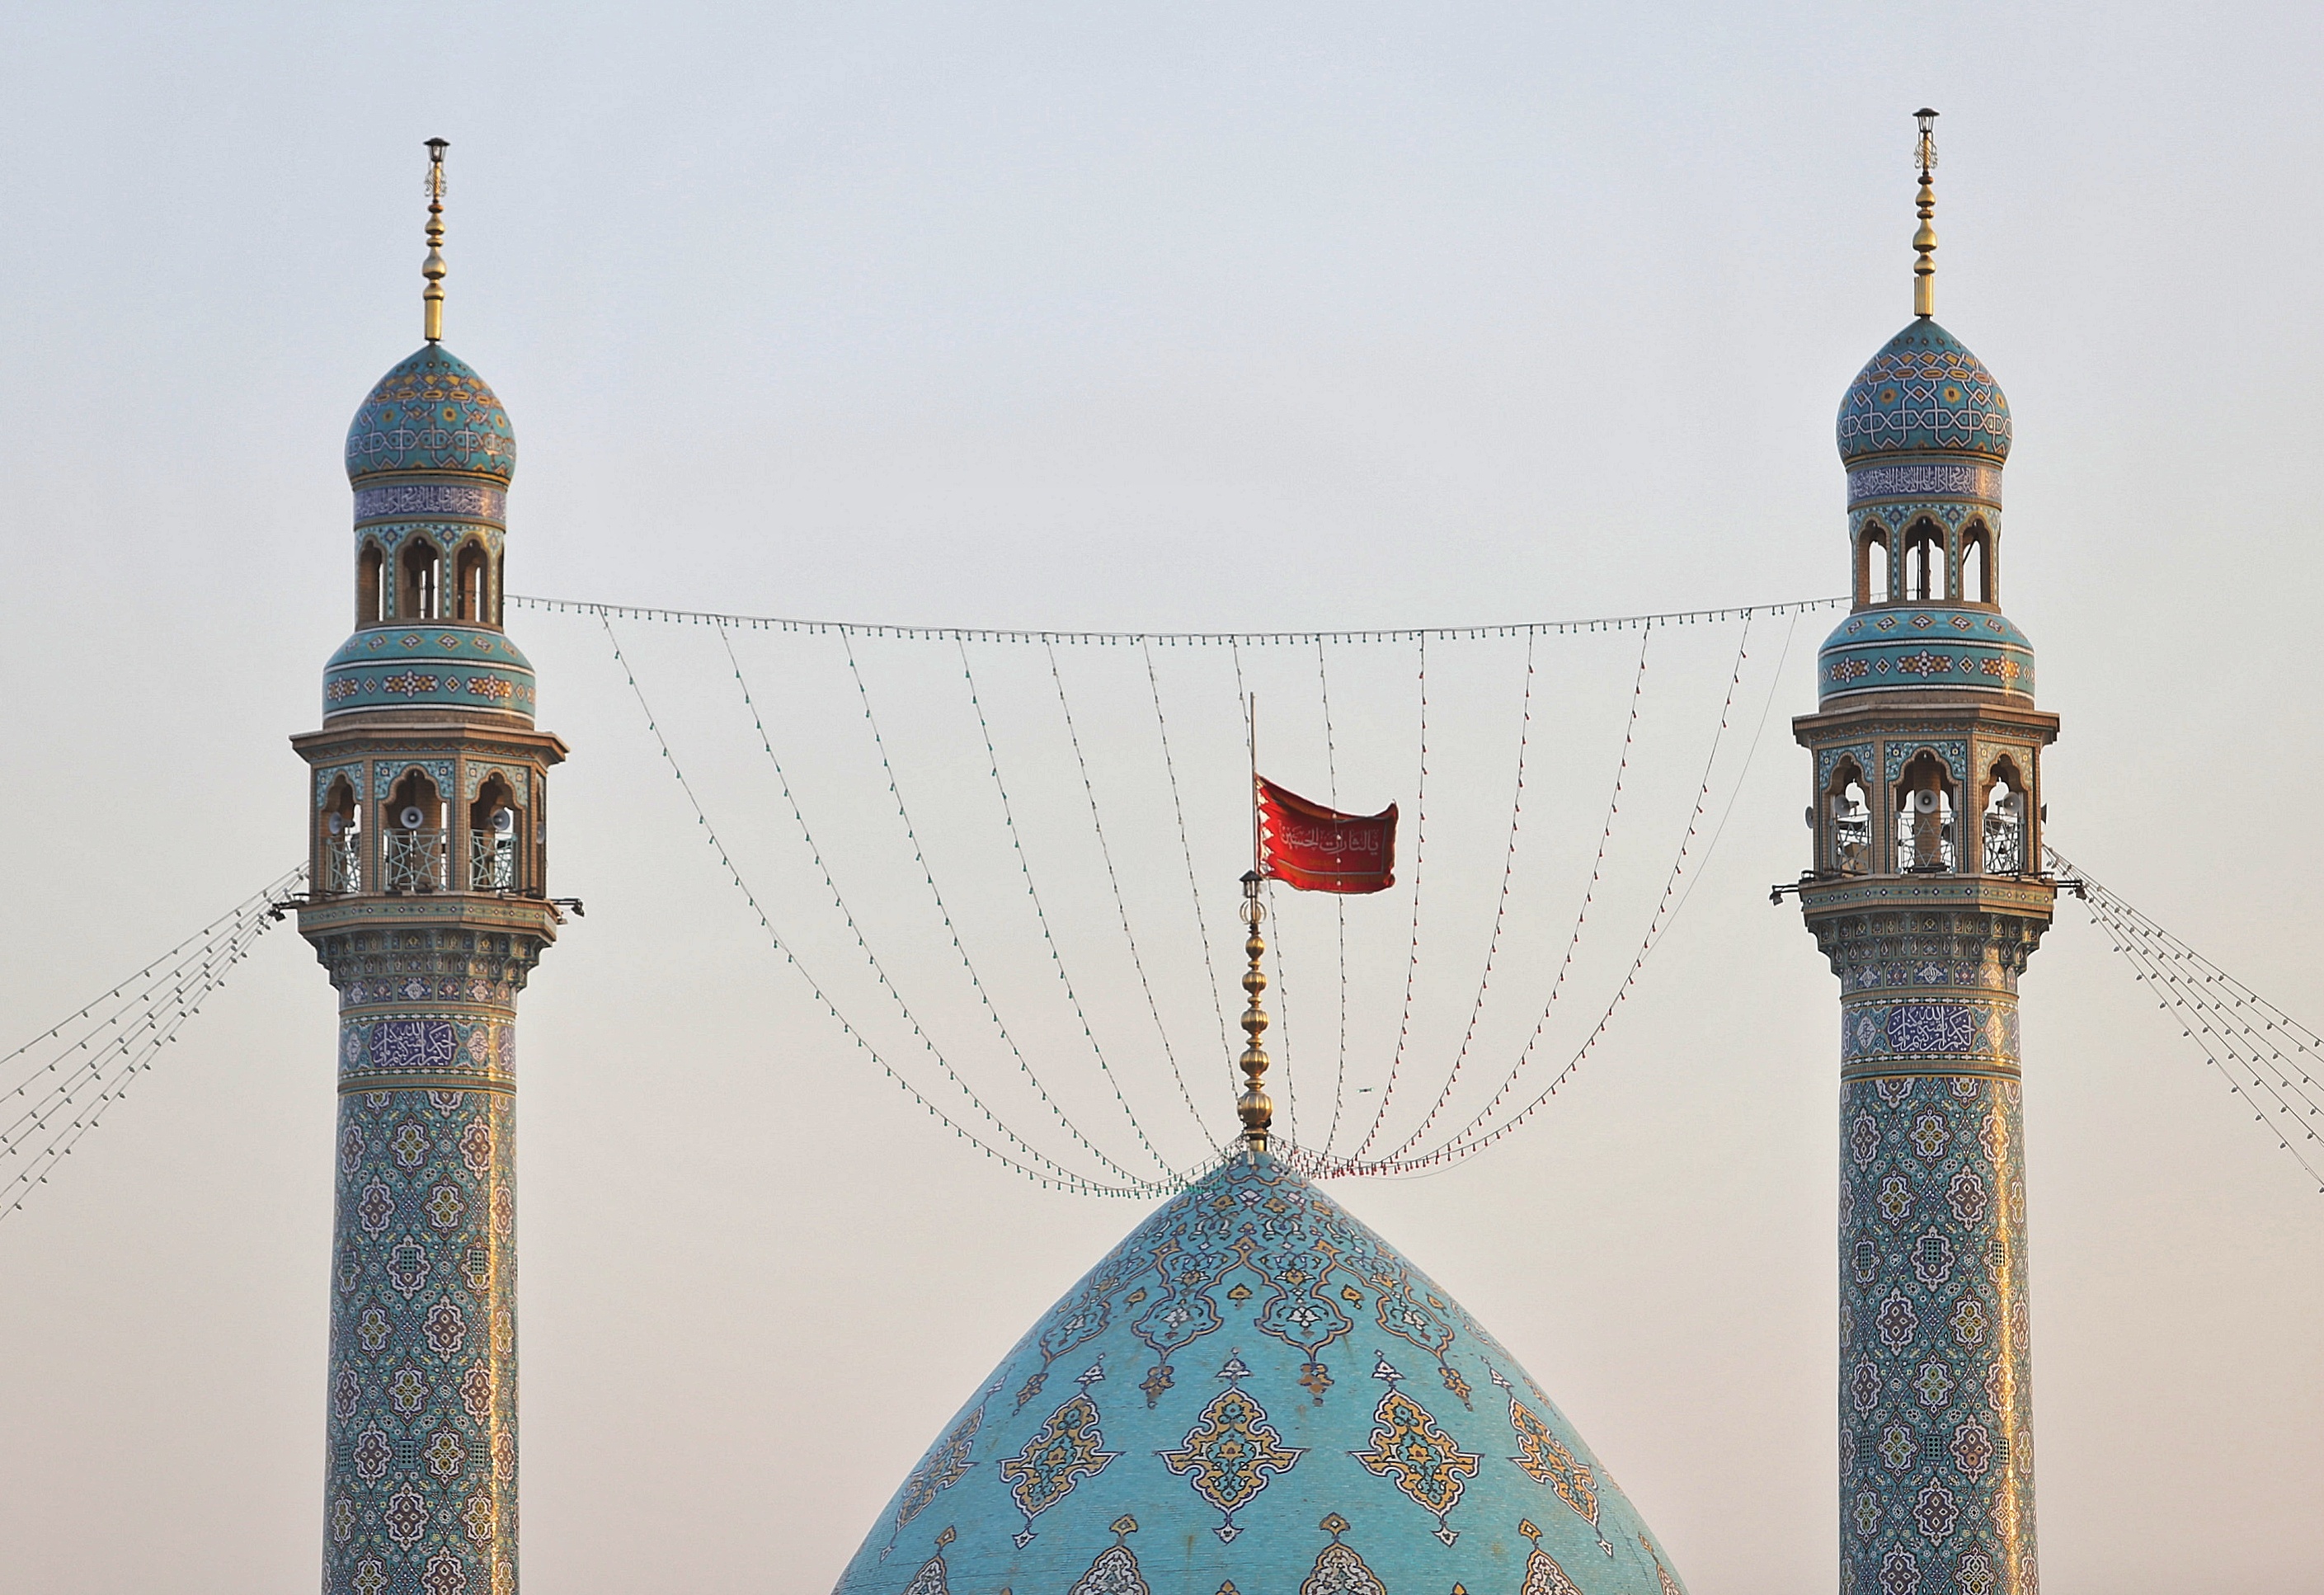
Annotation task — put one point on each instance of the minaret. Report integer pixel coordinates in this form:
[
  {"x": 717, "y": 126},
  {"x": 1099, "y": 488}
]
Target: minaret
[
  {"x": 428, "y": 808},
  {"x": 1927, "y": 895}
]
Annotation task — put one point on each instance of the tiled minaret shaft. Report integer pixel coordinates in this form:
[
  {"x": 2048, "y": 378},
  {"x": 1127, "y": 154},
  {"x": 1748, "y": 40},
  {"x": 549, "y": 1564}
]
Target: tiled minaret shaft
[
  {"x": 430, "y": 909},
  {"x": 1927, "y": 897}
]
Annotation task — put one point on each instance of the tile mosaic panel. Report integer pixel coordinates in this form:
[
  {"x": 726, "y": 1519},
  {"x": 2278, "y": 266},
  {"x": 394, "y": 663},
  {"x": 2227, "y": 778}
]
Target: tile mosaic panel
[
  {"x": 1935, "y": 1387},
  {"x": 420, "y": 1485}
]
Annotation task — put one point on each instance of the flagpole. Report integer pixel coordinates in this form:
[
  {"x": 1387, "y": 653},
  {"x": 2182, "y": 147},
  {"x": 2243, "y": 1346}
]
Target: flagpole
[
  {"x": 1250, "y": 722},
  {"x": 1254, "y": 1107}
]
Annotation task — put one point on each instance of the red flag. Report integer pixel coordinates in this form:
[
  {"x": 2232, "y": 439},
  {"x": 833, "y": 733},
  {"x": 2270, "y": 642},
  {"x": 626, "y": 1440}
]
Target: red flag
[{"x": 1311, "y": 848}]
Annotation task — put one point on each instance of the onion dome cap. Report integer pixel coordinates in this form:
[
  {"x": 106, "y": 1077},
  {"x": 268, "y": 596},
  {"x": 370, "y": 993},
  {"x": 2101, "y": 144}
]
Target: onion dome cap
[
  {"x": 1924, "y": 394},
  {"x": 1254, "y": 1389},
  {"x": 431, "y": 413}
]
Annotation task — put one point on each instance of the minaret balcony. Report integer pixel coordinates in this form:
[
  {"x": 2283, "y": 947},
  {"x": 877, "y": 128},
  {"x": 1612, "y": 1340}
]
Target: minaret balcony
[{"x": 2020, "y": 895}]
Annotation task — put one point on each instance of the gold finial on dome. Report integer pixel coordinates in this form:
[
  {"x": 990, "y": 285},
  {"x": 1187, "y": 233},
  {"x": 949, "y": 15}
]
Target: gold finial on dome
[
  {"x": 432, "y": 267},
  {"x": 1254, "y": 1107},
  {"x": 1924, "y": 242}
]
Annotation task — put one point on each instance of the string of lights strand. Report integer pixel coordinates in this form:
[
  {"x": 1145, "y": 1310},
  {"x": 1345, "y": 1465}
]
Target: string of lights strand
[
  {"x": 130, "y": 991},
  {"x": 1120, "y": 903},
  {"x": 1481, "y": 1133},
  {"x": 1046, "y": 1169},
  {"x": 115, "y": 1037},
  {"x": 1589, "y": 888},
  {"x": 1339, "y": 903},
  {"x": 2260, "y": 1052},
  {"x": 1028, "y": 1160},
  {"x": 952, "y": 931},
  {"x": 1041, "y": 918},
  {"x": 945, "y": 633},
  {"x": 132, "y": 1009},
  {"x": 1734, "y": 793},
  {"x": 1186, "y": 851},
  {"x": 831, "y": 886},
  {"x": 1500, "y": 915},
  {"x": 105, "y": 1062},
  {"x": 2208, "y": 993},
  {"x": 2258, "y": 1076},
  {"x": 1412, "y": 962}
]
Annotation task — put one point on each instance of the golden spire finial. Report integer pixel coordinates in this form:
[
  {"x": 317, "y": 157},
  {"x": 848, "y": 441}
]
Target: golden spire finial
[
  {"x": 431, "y": 300},
  {"x": 1254, "y": 1107},
  {"x": 1924, "y": 242}
]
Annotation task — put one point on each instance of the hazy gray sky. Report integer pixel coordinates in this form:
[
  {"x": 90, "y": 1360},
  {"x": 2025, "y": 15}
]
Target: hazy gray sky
[{"x": 1160, "y": 317}]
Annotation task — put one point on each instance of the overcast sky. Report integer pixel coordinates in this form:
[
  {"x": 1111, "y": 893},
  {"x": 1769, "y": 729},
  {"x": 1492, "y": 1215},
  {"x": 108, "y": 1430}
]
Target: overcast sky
[{"x": 1155, "y": 318}]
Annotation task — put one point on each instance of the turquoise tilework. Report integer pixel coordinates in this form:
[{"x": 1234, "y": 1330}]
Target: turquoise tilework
[{"x": 1255, "y": 1389}]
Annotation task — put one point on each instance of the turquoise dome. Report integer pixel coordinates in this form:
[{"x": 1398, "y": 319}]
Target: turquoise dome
[
  {"x": 433, "y": 664},
  {"x": 431, "y": 412},
  {"x": 1915, "y": 647},
  {"x": 1924, "y": 394},
  {"x": 1256, "y": 1392}
]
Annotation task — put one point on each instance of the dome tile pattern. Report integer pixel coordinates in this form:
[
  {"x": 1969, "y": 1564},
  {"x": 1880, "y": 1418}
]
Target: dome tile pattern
[
  {"x": 431, "y": 412},
  {"x": 1924, "y": 394},
  {"x": 1914, "y": 647},
  {"x": 430, "y": 664},
  {"x": 1254, "y": 1392}
]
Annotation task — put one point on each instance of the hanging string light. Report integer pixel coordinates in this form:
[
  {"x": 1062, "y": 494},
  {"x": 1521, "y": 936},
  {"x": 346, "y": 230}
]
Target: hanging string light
[
  {"x": 1109, "y": 1173},
  {"x": 2261, "y": 1053},
  {"x": 82, "y": 1066}
]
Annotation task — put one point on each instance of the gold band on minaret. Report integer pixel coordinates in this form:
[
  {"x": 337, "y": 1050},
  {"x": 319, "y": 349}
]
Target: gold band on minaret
[
  {"x": 1254, "y": 1107},
  {"x": 431, "y": 299},
  {"x": 1924, "y": 242}
]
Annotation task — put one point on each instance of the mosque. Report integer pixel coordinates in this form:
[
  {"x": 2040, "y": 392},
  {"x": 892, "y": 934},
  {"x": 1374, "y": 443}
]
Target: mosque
[{"x": 1254, "y": 1392}]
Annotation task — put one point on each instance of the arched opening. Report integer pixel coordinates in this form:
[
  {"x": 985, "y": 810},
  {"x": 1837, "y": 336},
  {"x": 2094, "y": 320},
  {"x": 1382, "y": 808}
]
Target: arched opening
[
  {"x": 493, "y": 588},
  {"x": 1976, "y": 565},
  {"x": 1847, "y": 822},
  {"x": 415, "y": 589},
  {"x": 1872, "y": 564},
  {"x": 413, "y": 853},
  {"x": 2005, "y": 830},
  {"x": 1924, "y": 562},
  {"x": 495, "y": 839},
  {"x": 340, "y": 840},
  {"x": 370, "y": 567},
  {"x": 1924, "y": 816},
  {"x": 468, "y": 583}
]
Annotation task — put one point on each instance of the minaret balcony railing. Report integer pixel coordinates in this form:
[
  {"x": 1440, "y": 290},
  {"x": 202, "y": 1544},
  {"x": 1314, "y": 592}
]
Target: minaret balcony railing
[
  {"x": 1851, "y": 844},
  {"x": 343, "y": 864},
  {"x": 1924, "y": 846},
  {"x": 492, "y": 862},
  {"x": 2005, "y": 845},
  {"x": 414, "y": 861}
]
